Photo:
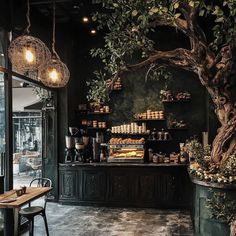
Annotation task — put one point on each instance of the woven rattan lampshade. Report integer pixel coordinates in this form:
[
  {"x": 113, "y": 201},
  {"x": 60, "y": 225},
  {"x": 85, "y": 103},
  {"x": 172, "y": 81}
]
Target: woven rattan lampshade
[
  {"x": 54, "y": 74},
  {"x": 27, "y": 53}
]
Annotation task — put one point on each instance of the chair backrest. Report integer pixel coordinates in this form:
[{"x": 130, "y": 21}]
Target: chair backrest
[{"x": 41, "y": 182}]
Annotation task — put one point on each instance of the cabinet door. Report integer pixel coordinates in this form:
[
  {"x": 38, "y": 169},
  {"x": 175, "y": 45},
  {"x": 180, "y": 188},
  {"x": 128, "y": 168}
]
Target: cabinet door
[
  {"x": 166, "y": 188},
  {"x": 145, "y": 190},
  {"x": 94, "y": 185},
  {"x": 68, "y": 185},
  {"x": 118, "y": 186}
]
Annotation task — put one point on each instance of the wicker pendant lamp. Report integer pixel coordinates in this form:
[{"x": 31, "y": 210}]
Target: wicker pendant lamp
[
  {"x": 27, "y": 53},
  {"x": 54, "y": 73}
]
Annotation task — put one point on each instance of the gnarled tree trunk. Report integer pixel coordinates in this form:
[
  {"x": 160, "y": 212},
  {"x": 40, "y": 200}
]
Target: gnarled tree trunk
[
  {"x": 224, "y": 143},
  {"x": 222, "y": 89}
]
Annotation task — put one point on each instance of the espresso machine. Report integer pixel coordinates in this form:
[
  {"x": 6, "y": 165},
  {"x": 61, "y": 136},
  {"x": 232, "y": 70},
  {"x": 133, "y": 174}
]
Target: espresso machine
[{"x": 70, "y": 149}]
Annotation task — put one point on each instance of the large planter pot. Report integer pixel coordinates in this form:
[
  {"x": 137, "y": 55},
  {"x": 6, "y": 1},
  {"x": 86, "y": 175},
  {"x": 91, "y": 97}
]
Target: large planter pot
[{"x": 204, "y": 225}]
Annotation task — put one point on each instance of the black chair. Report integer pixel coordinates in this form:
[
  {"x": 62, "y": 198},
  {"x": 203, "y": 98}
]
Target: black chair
[{"x": 30, "y": 212}]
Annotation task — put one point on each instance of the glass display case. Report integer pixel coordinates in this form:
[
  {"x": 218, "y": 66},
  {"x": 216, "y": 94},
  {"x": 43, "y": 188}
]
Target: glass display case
[{"x": 126, "y": 153}]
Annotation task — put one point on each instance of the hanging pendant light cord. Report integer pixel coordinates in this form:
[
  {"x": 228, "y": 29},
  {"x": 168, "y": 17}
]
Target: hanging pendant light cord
[
  {"x": 54, "y": 31},
  {"x": 28, "y": 18}
]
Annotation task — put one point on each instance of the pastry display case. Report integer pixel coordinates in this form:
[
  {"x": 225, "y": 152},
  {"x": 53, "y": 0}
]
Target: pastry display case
[{"x": 126, "y": 150}]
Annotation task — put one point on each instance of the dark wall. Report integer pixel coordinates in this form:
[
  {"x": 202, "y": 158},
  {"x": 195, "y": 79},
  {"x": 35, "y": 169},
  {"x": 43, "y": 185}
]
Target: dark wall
[
  {"x": 73, "y": 43},
  {"x": 138, "y": 95}
]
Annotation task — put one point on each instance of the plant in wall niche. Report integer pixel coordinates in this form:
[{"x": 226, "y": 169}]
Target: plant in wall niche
[
  {"x": 226, "y": 214},
  {"x": 131, "y": 27},
  {"x": 98, "y": 92}
]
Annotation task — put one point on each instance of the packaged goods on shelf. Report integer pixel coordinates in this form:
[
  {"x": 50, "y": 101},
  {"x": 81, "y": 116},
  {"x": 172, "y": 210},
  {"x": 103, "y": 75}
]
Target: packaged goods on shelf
[{"x": 132, "y": 128}]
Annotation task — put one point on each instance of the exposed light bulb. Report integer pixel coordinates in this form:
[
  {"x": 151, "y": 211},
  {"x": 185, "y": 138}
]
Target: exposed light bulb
[
  {"x": 93, "y": 31},
  {"x": 29, "y": 56},
  {"x": 53, "y": 75},
  {"x": 85, "y": 19}
]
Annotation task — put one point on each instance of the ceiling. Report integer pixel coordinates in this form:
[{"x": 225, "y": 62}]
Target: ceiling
[
  {"x": 66, "y": 10},
  {"x": 41, "y": 11}
]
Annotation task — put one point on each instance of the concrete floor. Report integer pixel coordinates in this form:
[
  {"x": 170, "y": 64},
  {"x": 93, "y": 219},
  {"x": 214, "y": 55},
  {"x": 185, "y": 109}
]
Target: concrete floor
[{"x": 100, "y": 221}]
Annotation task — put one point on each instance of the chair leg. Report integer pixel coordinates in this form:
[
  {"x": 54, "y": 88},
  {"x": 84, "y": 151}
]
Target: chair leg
[
  {"x": 31, "y": 229},
  {"x": 19, "y": 224},
  {"x": 46, "y": 223}
]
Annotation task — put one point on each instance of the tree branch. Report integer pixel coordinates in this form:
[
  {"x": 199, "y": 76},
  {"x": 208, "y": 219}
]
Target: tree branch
[{"x": 180, "y": 57}]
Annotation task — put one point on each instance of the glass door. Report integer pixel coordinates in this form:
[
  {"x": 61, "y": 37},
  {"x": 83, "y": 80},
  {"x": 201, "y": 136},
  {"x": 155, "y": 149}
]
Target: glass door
[{"x": 27, "y": 132}]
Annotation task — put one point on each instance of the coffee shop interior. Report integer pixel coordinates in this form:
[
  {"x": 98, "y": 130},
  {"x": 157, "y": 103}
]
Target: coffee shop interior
[{"x": 124, "y": 112}]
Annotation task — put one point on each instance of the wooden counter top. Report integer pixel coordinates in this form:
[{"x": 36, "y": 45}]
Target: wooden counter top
[{"x": 31, "y": 194}]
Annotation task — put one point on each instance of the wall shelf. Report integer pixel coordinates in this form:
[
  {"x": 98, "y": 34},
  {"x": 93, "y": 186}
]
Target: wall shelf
[
  {"x": 92, "y": 113},
  {"x": 177, "y": 129},
  {"x": 98, "y": 113},
  {"x": 143, "y": 120},
  {"x": 176, "y": 101},
  {"x": 159, "y": 140},
  {"x": 96, "y": 128},
  {"x": 134, "y": 134}
]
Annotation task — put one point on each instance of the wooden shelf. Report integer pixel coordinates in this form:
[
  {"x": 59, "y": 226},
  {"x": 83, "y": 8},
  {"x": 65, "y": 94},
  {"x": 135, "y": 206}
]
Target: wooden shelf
[
  {"x": 177, "y": 128},
  {"x": 134, "y": 134},
  {"x": 176, "y": 101},
  {"x": 158, "y": 140},
  {"x": 96, "y": 128},
  {"x": 139, "y": 120},
  {"x": 98, "y": 113},
  {"x": 93, "y": 113}
]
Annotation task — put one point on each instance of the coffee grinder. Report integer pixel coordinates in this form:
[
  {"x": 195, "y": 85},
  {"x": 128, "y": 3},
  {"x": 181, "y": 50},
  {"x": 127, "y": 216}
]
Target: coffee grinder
[{"x": 70, "y": 149}]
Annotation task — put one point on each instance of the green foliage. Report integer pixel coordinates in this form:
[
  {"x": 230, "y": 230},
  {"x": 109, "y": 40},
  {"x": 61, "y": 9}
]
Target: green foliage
[
  {"x": 98, "y": 92},
  {"x": 130, "y": 24},
  {"x": 156, "y": 72},
  {"x": 229, "y": 167},
  {"x": 222, "y": 207}
]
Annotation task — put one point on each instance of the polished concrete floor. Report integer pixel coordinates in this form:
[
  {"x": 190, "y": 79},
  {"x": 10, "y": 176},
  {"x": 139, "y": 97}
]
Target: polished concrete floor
[{"x": 100, "y": 221}]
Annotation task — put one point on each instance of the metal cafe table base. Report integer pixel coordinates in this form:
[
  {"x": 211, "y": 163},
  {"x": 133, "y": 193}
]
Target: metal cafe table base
[{"x": 32, "y": 193}]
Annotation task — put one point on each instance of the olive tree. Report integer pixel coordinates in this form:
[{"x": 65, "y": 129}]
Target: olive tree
[{"x": 130, "y": 26}]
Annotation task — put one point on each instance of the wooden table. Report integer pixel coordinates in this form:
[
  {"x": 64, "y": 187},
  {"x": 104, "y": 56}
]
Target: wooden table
[{"x": 32, "y": 193}]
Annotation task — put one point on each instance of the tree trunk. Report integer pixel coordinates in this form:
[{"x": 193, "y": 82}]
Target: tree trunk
[
  {"x": 224, "y": 143},
  {"x": 223, "y": 97}
]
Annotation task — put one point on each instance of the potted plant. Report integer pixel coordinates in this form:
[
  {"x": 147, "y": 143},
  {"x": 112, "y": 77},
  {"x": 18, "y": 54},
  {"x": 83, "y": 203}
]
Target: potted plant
[
  {"x": 211, "y": 56},
  {"x": 215, "y": 191}
]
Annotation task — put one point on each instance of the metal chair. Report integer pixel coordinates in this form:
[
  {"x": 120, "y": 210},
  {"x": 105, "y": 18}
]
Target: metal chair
[{"x": 31, "y": 211}]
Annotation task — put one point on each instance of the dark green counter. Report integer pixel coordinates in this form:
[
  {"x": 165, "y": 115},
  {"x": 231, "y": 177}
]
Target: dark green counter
[{"x": 125, "y": 185}]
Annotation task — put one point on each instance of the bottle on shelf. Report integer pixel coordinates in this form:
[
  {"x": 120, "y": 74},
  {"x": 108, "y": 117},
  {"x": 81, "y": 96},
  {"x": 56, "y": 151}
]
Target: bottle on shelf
[{"x": 150, "y": 155}]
